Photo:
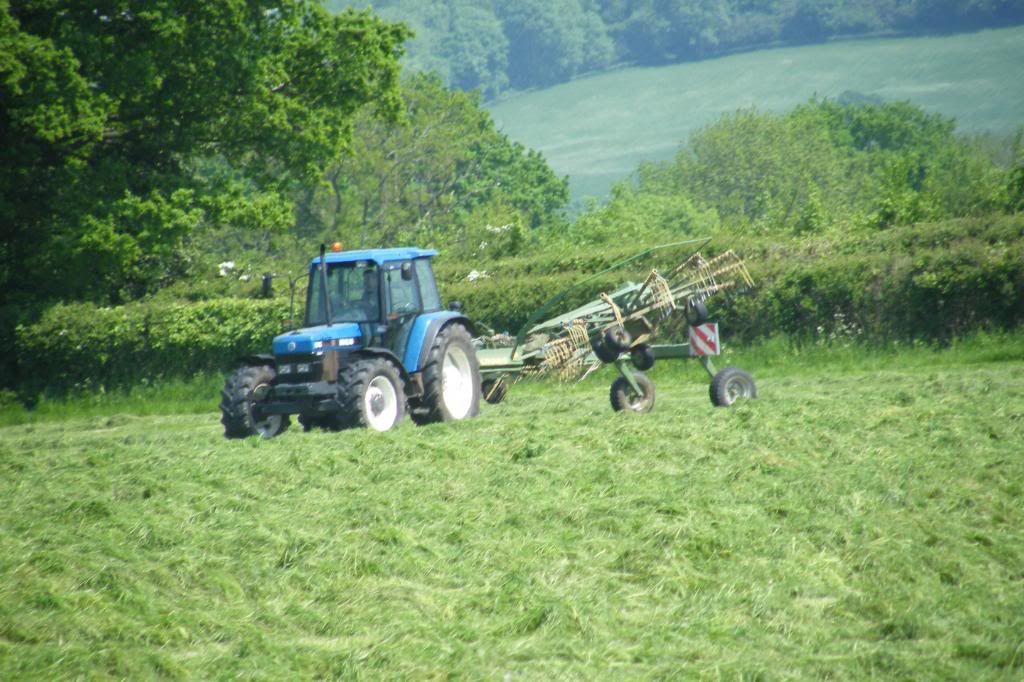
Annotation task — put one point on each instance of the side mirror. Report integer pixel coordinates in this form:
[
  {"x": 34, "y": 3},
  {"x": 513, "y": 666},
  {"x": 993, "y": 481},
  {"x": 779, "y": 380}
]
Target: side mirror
[
  {"x": 268, "y": 284},
  {"x": 407, "y": 271}
]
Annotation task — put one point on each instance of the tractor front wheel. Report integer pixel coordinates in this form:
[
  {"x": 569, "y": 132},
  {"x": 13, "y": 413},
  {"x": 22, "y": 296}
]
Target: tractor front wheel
[
  {"x": 241, "y": 415},
  {"x": 729, "y": 385},
  {"x": 451, "y": 379},
  {"x": 372, "y": 395},
  {"x": 625, "y": 398}
]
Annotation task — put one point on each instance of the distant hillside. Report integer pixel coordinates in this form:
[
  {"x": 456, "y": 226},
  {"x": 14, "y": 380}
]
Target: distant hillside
[
  {"x": 497, "y": 45},
  {"x": 598, "y": 129}
]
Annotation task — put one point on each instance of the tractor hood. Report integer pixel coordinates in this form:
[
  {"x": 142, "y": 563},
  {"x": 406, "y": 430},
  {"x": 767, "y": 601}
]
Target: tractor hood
[{"x": 345, "y": 335}]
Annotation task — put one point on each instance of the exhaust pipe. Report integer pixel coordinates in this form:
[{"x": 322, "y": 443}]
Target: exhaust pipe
[{"x": 323, "y": 283}]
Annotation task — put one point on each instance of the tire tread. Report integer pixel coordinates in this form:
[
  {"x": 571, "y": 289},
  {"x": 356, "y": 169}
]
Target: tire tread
[{"x": 430, "y": 407}]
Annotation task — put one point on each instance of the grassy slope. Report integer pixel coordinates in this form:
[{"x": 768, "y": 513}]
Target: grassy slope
[
  {"x": 598, "y": 129},
  {"x": 862, "y": 519}
]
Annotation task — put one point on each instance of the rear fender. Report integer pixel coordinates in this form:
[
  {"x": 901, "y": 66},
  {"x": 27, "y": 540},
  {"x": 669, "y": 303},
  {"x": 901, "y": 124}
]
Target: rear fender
[{"x": 424, "y": 332}]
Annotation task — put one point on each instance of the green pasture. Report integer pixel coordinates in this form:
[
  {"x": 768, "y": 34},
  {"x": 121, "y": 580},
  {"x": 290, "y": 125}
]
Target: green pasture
[
  {"x": 597, "y": 130},
  {"x": 862, "y": 519}
]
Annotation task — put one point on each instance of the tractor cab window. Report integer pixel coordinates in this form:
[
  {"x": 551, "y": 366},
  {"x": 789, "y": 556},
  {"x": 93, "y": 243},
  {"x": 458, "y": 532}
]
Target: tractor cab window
[
  {"x": 428, "y": 287},
  {"x": 403, "y": 297},
  {"x": 354, "y": 291}
]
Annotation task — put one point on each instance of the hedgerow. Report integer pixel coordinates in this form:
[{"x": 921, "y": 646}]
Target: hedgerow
[
  {"x": 84, "y": 346},
  {"x": 928, "y": 282}
]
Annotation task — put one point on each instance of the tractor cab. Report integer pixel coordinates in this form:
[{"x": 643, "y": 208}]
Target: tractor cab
[{"x": 379, "y": 292}]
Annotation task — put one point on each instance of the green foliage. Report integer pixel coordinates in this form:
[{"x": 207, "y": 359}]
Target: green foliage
[
  {"x": 1016, "y": 189},
  {"x": 927, "y": 282},
  {"x": 761, "y": 169},
  {"x": 508, "y": 290},
  {"x": 476, "y": 49},
  {"x": 107, "y": 114},
  {"x": 642, "y": 217},
  {"x": 82, "y": 346},
  {"x": 922, "y": 283},
  {"x": 827, "y": 165},
  {"x": 1015, "y": 184},
  {"x": 445, "y": 176},
  {"x": 622, "y": 118},
  {"x": 657, "y": 31},
  {"x": 551, "y": 41}
]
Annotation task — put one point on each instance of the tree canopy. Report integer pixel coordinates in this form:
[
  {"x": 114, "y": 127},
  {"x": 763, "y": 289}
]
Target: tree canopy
[
  {"x": 440, "y": 177},
  {"x": 826, "y": 165},
  {"x": 114, "y": 113}
]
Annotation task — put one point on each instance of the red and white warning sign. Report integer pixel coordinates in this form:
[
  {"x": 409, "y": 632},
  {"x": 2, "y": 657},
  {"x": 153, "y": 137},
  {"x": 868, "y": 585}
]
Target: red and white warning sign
[{"x": 704, "y": 339}]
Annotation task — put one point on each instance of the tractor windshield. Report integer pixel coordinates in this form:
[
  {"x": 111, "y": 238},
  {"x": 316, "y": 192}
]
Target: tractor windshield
[{"x": 354, "y": 291}]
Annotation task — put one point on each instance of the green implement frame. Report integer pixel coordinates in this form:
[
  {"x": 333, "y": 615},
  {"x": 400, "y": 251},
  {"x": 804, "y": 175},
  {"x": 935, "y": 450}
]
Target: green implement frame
[{"x": 621, "y": 328}]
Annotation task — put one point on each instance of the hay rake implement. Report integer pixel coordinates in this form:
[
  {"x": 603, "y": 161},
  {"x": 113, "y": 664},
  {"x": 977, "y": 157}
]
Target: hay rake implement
[{"x": 622, "y": 328}]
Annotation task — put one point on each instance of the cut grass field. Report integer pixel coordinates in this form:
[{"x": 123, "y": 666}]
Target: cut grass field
[
  {"x": 597, "y": 130},
  {"x": 862, "y": 519}
]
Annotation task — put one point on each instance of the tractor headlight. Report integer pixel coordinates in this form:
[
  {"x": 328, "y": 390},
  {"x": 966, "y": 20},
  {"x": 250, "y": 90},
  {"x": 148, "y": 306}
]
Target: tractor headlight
[
  {"x": 303, "y": 368},
  {"x": 284, "y": 369}
]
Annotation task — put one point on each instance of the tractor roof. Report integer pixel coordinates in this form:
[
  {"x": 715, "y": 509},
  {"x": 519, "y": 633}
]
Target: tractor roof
[{"x": 379, "y": 256}]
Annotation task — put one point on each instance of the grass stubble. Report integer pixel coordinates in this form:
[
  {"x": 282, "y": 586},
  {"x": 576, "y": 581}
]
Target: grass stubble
[{"x": 862, "y": 520}]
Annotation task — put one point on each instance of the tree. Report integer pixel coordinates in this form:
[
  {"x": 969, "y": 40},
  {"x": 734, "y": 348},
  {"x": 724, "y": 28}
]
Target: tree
[
  {"x": 1015, "y": 184},
  {"x": 828, "y": 165},
  {"x": 551, "y": 41},
  {"x": 494, "y": 45},
  {"x": 477, "y": 50},
  {"x": 440, "y": 177},
  {"x": 762, "y": 169},
  {"x": 105, "y": 109}
]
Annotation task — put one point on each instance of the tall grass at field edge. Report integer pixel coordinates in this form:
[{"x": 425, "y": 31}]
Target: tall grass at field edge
[
  {"x": 196, "y": 395},
  {"x": 782, "y": 355}
]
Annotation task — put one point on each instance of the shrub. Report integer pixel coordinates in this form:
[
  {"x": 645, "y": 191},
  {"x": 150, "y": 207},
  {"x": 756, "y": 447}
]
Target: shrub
[{"x": 84, "y": 346}]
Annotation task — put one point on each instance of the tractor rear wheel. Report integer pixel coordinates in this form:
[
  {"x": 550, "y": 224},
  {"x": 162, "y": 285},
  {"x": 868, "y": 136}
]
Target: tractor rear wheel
[
  {"x": 729, "y": 385},
  {"x": 371, "y": 394},
  {"x": 625, "y": 398},
  {"x": 451, "y": 379},
  {"x": 240, "y": 402}
]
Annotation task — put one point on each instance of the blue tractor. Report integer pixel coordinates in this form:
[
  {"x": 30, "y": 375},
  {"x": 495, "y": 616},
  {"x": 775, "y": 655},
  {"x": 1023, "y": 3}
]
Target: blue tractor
[{"x": 375, "y": 344}]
